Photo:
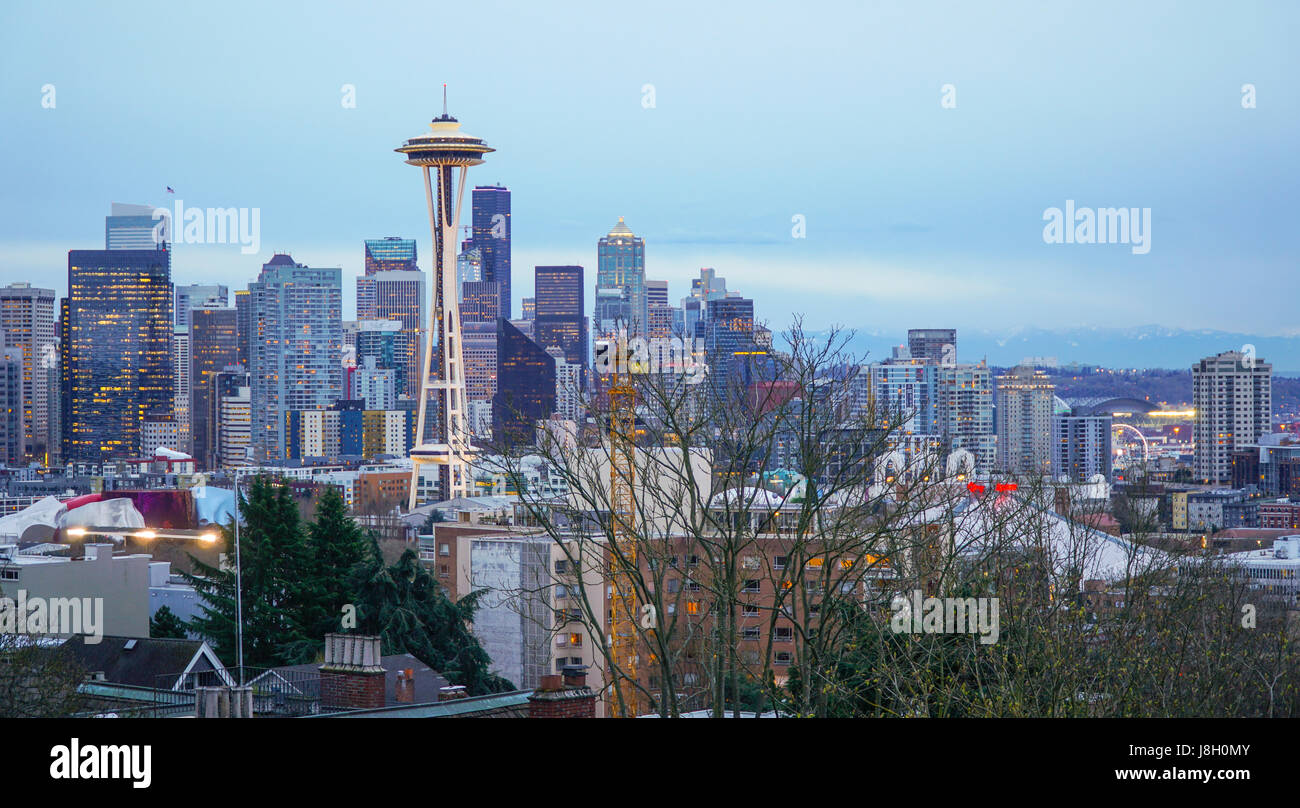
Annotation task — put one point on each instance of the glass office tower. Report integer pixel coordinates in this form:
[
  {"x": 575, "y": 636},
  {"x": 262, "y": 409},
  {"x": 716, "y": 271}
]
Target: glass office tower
[
  {"x": 525, "y": 387},
  {"x": 118, "y": 350},
  {"x": 491, "y": 220},
  {"x": 558, "y": 311}
]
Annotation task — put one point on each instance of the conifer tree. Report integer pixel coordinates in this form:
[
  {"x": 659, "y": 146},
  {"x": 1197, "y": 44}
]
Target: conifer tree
[
  {"x": 406, "y": 606},
  {"x": 276, "y": 592},
  {"x": 166, "y": 625}
]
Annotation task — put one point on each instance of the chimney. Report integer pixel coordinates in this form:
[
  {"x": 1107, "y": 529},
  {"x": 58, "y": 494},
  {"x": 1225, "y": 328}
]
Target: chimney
[
  {"x": 452, "y": 692},
  {"x": 406, "y": 686},
  {"x": 223, "y": 702},
  {"x": 564, "y": 696},
  {"x": 575, "y": 676},
  {"x": 352, "y": 677}
]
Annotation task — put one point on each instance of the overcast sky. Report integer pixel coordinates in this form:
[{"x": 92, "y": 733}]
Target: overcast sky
[{"x": 916, "y": 213}]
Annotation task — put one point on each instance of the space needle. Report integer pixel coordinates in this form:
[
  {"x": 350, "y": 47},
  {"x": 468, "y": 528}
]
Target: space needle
[{"x": 444, "y": 150}]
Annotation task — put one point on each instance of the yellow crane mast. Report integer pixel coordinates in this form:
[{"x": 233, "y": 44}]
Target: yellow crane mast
[{"x": 622, "y": 471}]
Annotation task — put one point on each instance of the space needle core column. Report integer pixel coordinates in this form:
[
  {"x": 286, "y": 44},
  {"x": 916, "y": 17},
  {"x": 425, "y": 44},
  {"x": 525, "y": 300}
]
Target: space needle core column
[{"x": 444, "y": 150}]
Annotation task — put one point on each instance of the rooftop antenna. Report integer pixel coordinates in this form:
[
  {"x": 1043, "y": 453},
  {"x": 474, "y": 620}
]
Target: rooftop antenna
[{"x": 444, "y": 99}]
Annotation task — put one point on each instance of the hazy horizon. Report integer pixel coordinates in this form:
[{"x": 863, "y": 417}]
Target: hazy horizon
[{"x": 916, "y": 214}]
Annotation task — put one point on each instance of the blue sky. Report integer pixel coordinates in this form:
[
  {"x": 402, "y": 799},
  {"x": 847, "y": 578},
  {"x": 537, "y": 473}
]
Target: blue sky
[{"x": 915, "y": 214}]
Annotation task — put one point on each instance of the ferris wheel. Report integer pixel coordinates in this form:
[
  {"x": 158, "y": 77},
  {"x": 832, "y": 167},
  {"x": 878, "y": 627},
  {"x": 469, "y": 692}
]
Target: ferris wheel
[{"x": 1124, "y": 446}]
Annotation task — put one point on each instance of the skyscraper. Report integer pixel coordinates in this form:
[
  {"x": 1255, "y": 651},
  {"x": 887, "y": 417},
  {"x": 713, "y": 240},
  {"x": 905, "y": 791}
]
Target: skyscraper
[
  {"x": 133, "y": 227},
  {"x": 390, "y": 254},
  {"x": 659, "y": 314},
  {"x": 525, "y": 387},
  {"x": 568, "y": 386},
  {"x": 1081, "y": 446},
  {"x": 27, "y": 324},
  {"x": 611, "y": 311},
  {"x": 928, "y": 343},
  {"x": 244, "y": 325},
  {"x": 1024, "y": 421},
  {"x": 182, "y": 391},
  {"x": 214, "y": 345},
  {"x": 480, "y": 301},
  {"x": 620, "y": 257},
  {"x": 119, "y": 369},
  {"x": 297, "y": 315},
  {"x": 492, "y": 238},
  {"x": 231, "y": 417},
  {"x": 198, "y": 296},
  {"x": 469, "y": 263},
  {"x": 964, "y": 411},
  {"x": 729, "y": 334},
  {"x": 559, "y": 310},
  {"x": 480, "y": 361},
  {"x": 900, "y": 394},
  {"x": 445, "y": 151},
  {"x": 1233, "y": 396},
  {"x": 12, "y": 431},
  {"x": 709, "y": 286},
  {"x": 396, "y": 295},
  {"x": 385, "y": 342}
]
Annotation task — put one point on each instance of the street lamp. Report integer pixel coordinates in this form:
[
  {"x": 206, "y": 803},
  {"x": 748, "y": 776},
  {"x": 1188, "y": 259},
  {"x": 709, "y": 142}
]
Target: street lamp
[{"x": 239, "y": 586}]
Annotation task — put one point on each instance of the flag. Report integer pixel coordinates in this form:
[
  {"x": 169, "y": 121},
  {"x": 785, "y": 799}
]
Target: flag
[{"x": 169, "y": 190}]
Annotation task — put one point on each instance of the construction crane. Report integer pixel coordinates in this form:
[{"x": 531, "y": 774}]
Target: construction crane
[{"x": 622, "y": 471}]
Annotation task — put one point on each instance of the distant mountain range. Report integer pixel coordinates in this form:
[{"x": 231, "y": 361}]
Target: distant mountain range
[{"x": 1150, "y": 346}]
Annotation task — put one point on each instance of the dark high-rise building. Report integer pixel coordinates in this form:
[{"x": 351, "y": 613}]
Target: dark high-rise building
[
  {"x": 928, "y": 343},
  {"x": 214, "y": 345},
  {"x": 244, "y": 324},
  {"x": 12, "y": 434},
  {"x": 525, "y": 386},
  {"x": 729, "y": 334},
  {"x": 61, "y": 414},
  {"x": 492, "y": 238},
  {"x": 559, "y": 308},
  {"x": 480, "y": 301},
  {"x": 119, "y": 370}
]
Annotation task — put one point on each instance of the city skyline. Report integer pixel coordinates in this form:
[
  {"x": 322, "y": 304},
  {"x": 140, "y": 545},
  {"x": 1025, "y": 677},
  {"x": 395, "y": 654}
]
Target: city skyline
[{"x": 832, "y": 360}]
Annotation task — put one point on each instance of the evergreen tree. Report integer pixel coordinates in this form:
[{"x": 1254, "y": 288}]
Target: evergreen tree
[
  {"x": 406, "y": 606},
  {"x": 338, "y": 546},
  {"x": 276, "y": 592},
  {"x": 166, "y": 625},
  {"x": 435, "y": 516}
]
